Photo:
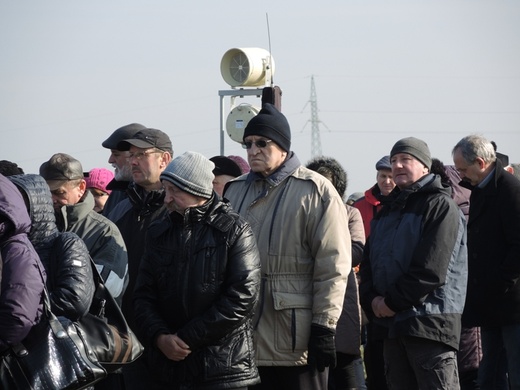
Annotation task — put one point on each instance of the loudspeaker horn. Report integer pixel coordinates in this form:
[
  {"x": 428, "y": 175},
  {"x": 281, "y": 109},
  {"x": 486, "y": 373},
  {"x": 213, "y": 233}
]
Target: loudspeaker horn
[{"x": 247, "y": 67}]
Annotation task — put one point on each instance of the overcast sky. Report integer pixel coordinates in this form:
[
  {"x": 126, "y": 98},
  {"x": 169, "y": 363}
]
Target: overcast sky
[{"x": 72, "y": 72}]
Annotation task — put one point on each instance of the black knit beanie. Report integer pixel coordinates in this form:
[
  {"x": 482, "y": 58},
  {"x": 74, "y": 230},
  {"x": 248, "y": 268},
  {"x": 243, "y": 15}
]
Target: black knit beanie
[
  {"x": 414, "y": 146},
  {"x": 270, "y": 123}
]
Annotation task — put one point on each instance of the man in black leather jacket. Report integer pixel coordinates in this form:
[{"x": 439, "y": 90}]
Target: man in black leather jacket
[{"x": 198, "y": 285}]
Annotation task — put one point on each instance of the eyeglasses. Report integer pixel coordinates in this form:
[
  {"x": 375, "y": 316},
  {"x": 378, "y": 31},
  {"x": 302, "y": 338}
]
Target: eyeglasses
[
  {"x": 139, "y": 155},
  {"x": 261, "y": 143}
]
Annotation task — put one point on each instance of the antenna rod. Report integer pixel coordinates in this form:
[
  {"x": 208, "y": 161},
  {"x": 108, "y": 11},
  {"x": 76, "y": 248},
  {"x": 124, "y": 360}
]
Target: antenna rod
[{"x": 270, "y": 52}]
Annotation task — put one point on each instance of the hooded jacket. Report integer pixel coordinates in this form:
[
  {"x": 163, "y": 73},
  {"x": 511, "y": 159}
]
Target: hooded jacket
[
  {"x": 200, "y": 278},
  {"x": 416, "y": 258},
  {"x": 22, "y": 274},
  {"x": 301, "y": 227},
  {"x": 64, "y": 255}
]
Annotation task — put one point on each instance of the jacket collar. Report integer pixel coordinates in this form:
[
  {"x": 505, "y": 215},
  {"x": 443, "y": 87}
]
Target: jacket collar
[
  {"x": 143, "y": 199},
  {"x": 116, "y": 185},
  {"x": 428, "y": 183},
  {"x": 491, "y": 186},
  {"x": 78, "y": 211},
  {"x": 291, "y": 164},
  {"x": 197, "y": 214}
]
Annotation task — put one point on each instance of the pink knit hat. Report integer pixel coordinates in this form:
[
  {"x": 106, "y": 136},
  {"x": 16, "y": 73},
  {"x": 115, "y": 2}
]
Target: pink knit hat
[
  {"x": 99, "y": 178},
  {"x": 243, "y": 165}
]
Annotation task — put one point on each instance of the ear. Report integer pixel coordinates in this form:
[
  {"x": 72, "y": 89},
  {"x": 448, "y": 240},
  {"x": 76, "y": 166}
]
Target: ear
[
  {"x": 481, "y": 163},
  {"x": 82, "y": 187},
  {"x": 166, "y": 158},
  {"x": 510, "y": 169}
]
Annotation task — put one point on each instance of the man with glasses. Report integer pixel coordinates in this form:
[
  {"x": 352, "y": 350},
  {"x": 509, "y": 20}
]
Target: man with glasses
[
  {"x": 149, "y": 153},
  {"x": 301, "y": 227},
  {"x": 119, "y": 160},
  {"x": 74, "y": 209}
]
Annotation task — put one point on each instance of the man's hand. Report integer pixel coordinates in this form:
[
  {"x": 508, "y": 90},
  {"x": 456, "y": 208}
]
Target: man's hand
[
  {"x": 322, "y": 350},
  {"x": 380, "y": 308},
  {"x": 173, "y": 347}
]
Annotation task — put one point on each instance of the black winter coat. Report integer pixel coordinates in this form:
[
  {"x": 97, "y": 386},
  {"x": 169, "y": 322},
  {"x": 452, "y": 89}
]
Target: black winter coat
[
  {"x": 64, "y": 255},
  {"x": 493, "y": 297},
  {"x": 200, "y": 278},
  {"x": 133, "y": 216}
]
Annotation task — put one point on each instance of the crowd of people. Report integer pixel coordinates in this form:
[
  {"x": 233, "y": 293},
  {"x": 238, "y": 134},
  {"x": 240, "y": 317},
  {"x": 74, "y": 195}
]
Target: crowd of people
[{"x": 262, "y": 274}]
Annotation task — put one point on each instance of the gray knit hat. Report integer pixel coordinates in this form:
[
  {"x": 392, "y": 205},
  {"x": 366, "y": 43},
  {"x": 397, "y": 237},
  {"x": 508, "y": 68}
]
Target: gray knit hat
[
  {"x": 414, "y": 146},
  {"x": 191, "y": 172}
]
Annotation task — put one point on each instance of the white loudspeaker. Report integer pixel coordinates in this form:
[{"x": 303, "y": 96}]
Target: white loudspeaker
[
  {"x": 238, "y": 119},
  {"x": 247, "y": 67}
]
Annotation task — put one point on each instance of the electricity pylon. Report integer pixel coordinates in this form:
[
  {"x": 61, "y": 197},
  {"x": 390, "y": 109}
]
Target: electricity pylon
[{"x": 315, "y": 121}]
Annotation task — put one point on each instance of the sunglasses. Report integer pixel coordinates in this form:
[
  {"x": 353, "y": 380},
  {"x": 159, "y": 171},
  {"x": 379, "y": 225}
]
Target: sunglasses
[{"x": 261, "y": 143}]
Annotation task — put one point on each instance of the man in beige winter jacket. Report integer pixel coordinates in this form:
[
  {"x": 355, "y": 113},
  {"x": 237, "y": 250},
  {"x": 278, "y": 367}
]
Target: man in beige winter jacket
[{"x": 301, "y": 228}]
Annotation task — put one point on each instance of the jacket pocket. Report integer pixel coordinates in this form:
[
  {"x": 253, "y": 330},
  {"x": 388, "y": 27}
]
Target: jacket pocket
[
  {"x": 232, "y": 358},
  {"x": 293, "y": 316}
]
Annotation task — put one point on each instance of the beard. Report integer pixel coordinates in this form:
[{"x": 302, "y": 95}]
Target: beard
[{"x": 123, "y": 173}]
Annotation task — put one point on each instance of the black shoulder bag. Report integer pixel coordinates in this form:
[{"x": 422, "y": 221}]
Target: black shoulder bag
[
  {"x": 55, "y": 355},
  {"x": 106, "y": 329}
]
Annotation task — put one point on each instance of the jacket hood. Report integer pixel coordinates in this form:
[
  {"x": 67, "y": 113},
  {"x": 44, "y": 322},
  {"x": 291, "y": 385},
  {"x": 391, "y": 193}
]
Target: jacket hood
[
  {"x": 12, "y": 209},
  {"x": 41, "y": 211}
]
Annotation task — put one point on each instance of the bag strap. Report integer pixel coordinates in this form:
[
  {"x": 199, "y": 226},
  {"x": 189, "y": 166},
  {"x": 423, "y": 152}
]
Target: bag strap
[
  {"x": 101, "y": 293},
  {"x": 57, "y": 328}
]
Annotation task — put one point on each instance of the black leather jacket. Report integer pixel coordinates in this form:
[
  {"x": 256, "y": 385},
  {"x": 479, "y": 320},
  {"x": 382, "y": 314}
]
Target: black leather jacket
[
  {"x": 64, "y": 255},
  {"x": 200, "y": 278}
]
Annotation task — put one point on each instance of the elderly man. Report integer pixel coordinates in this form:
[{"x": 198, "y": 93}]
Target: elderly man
[
  {"x": 414, "y": 275},
  {"x": 149, "y": 152},
  {"x": 301, "y": 227},
  {"x": 74, "y": 209},
  {"x": 119, "y": 160},
  {"x": 493, "y": 300}
]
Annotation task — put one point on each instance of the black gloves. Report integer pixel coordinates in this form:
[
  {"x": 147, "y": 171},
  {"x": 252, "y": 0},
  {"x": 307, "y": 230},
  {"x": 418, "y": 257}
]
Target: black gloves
[{"x": 322, "y": 349}]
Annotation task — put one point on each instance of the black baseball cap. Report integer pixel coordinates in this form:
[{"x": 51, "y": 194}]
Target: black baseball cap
[{"x": 147, "y": 138}]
